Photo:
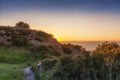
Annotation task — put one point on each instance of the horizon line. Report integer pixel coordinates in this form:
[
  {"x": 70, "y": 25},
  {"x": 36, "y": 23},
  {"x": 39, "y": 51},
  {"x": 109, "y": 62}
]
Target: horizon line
[{"x": 90, "y": 41}]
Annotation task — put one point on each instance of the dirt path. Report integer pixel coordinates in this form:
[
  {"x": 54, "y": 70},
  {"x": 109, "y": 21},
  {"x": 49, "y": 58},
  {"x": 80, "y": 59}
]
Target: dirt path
[{"x": 29, "y": 74}]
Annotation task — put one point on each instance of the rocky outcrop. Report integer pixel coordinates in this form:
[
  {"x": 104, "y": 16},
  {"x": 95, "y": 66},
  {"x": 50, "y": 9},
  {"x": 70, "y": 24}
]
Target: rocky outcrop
[
  {"x": 55, "y": 43},
  {"x": 9, "y": 34}
]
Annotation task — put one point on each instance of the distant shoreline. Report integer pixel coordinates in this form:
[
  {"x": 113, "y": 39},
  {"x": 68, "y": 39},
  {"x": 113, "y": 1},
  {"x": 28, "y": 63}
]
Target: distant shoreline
[
  {"x": 91, "y": 41},
  {"x": 88, "y": 45}
]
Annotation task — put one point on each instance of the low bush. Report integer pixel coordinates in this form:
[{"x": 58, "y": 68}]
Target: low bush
[
  {"x": 43, "y": 52},
  {"x": 91, "y": 67},
  {"x": 19, "y": 41}
]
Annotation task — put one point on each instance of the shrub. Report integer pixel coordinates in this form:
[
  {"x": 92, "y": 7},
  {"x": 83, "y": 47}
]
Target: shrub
[
  {"x": 107, "y": 47},
  {"x": 19, "y": 41},
  {"x": 63, "y": 69},
  {"x": 42, "y": 36},
  {"x": 48, "y": 64},
  {"x": 92, "y": 67},
  {"x": 66, "y": 49},
  {"x": 22, "y": 25},
  {"x": 43, "y": 52}
]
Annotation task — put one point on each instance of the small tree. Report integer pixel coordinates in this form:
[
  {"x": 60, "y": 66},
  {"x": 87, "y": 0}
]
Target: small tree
[{"x": 22, "y": 25}]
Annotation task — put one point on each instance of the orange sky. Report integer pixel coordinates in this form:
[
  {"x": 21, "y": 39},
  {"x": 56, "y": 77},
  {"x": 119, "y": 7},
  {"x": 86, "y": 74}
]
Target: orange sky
[{"x": 69, "y": 26}]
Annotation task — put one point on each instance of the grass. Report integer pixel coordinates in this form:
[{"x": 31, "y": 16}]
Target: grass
[
  {"x": 11, "y": 71},
  {"x": 12, "y": 61},
  {"x": 14, "y": 55}
]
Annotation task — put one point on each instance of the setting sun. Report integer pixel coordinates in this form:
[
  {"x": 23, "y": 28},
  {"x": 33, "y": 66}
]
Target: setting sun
[{"x": 58, "y": 37}]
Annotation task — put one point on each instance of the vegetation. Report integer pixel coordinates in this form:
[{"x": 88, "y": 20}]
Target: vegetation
[
  {"x": 42, "y": 36},
  {"x": 107, "y": 48},
  {"x": 22, "y": 25},
  {"x": 15, "y": 48},
  {"x": 90, "y": 67},
  {"x": 85, "y": 67},
  {"x": 75, "y": 63},
  {"x": 20, "y": 41},
  {"x": 12, "y": 61},
  {"x": 14, "y": 55},
  {"x": 72, "y": 49},
  {"x": 43, "y": 51},
  {"x": 11, "y": 72},
  {"x": 66, "y": 49}
]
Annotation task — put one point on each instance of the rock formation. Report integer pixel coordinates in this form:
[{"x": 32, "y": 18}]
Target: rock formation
[{"x": 9, "y": 33}]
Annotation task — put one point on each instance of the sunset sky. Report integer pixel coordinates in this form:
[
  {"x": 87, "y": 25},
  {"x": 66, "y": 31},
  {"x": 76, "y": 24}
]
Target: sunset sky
[{"x": 67, "y": 20}]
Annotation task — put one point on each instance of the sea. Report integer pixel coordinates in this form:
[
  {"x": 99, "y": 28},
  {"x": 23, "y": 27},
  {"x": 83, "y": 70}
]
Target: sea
[{"x": 88, "y": 45}]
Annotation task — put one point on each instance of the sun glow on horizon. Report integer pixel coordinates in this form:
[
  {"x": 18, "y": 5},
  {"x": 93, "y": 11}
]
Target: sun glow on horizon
[
  {"x": 72, "y": 26},
  {"x": 57, "y": 37}
]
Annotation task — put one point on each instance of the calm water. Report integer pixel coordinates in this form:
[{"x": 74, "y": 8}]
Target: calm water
[{"x": 88, "y": 45}]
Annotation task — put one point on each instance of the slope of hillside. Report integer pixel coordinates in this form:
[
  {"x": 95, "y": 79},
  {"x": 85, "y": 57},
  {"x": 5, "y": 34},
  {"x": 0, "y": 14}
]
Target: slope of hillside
[
  {"x": 20, "y": 46},
  {"x": 22, "y": 35}
]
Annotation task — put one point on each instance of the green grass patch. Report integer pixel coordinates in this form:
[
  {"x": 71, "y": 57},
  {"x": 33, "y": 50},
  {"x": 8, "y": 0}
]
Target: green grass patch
[
  {"x": 10, "y": 72},
  {"x": 14, "y": 55}
]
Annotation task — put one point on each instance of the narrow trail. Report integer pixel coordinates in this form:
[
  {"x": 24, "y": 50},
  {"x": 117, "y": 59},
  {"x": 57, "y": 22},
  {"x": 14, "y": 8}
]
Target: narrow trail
[{"x": 28, "y": 74}]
